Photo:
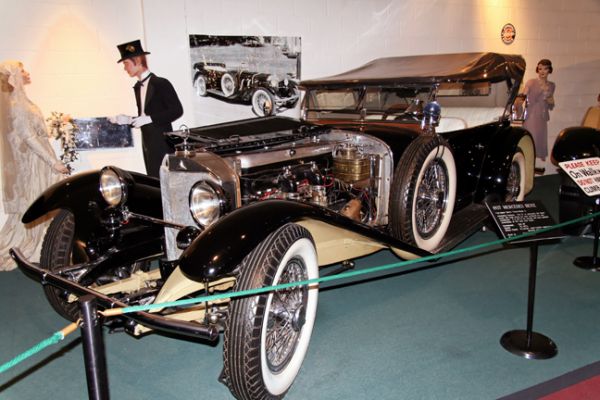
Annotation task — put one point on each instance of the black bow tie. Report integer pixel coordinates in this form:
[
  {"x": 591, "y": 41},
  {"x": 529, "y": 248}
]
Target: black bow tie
[{"x": 139, "y": 84}]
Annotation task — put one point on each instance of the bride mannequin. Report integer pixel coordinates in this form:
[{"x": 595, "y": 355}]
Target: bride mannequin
[{"x": 29, "y": 164}]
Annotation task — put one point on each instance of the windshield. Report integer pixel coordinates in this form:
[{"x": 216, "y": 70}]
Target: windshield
[{"x": 372, "y": 102}]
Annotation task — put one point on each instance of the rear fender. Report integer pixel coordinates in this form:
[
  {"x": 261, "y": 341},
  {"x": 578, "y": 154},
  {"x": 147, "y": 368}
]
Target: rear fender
[
  {"x": 575, "y": 143},
  {"x": 497, "y": 164},
  {"x": 221, "y": 248}
]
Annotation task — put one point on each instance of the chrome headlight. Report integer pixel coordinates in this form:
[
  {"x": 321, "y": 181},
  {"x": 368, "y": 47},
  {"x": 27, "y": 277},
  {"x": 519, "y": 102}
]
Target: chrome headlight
[
  {"x": 112, "y": 187},
  {"x": 207, "y": 203},
  {"x": 273, "y": 80}
]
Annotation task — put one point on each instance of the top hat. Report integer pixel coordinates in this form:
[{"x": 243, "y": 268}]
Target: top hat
[{"x": 130, "y": 50}]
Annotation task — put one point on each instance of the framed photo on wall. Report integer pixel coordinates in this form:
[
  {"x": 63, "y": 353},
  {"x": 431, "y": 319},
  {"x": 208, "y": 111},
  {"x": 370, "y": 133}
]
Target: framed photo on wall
[{"x": 238, "y": 77}]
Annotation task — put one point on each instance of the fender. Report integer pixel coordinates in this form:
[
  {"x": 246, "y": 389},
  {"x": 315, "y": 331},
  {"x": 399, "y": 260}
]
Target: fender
[
  {"x": 72, "y": 193},
  {"x": 77, "y": 191},
  {"x": 219, "y": 250},
  {"x": 575, "y": 143},
  {"x": 197, "y": 74},
  {"x": 497, "y": 164},
  {"x": 80, "y": 195}
]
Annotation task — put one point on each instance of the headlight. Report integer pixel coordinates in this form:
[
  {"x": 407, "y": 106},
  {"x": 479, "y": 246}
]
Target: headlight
[
  {"x": 273, "y": 80},
  {"x": 112, "y": 187},
  {"x": 206, "y": 203}
]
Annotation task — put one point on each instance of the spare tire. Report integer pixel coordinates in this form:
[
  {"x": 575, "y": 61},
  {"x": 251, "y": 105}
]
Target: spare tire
[{"x": 423, "y": 193}]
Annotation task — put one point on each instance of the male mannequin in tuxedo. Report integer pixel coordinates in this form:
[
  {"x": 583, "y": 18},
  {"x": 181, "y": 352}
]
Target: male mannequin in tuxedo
[{"x": 157, "y": 103}]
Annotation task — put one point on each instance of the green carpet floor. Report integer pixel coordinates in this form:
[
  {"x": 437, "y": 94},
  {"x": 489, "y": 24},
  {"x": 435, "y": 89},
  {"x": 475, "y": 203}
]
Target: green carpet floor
[{"x": 431, "y": 332}]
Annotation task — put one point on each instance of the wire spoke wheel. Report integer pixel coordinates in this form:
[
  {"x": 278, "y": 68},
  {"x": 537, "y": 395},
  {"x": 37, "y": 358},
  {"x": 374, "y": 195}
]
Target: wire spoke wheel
[
  {"x": 286, "y": 317},
  {"x": 200, "y": 86},
  {"x": 432, "y": 199},
  {"x": 423, "y": 193},
  {"x": 263, "y": 103},
  {"x": 515, "y": 183},
  {"x": 228, "y": 84},
  {"x": 266, "y": 337}
]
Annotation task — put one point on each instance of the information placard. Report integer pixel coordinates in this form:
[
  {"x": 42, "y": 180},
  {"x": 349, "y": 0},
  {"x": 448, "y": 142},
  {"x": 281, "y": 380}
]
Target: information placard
[
  {"x": 522, "y": 217},
  {"x": 585, "y": 173}
]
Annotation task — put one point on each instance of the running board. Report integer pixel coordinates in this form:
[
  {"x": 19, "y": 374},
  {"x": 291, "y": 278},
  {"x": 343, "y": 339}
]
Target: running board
[{"x": 463, "y": 224}]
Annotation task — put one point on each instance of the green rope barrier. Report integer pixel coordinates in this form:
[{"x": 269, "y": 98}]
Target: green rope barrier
[
  {"x": 350, "y": 274},
  {"x": 54, "y": 339}
]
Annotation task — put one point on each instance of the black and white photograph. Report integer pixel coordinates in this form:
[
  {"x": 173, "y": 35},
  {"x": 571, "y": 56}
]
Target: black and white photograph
[
  {"x": 100, "y": 133},
  {"x": 244, "y": 76}
]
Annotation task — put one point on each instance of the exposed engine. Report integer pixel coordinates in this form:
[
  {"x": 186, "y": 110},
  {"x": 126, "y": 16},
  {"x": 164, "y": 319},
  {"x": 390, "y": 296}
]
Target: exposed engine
[
  {"x": 345, "y": 172},
  {"x": 345, "y": 181}
]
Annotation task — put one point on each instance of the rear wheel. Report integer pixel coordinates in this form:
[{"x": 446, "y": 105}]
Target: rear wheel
[
  {"x": 515, "y": 183},
  {"x": 423, "y": 193},
  {"x": 200, "y": 85},
  {"x": 267, "y": 335}
]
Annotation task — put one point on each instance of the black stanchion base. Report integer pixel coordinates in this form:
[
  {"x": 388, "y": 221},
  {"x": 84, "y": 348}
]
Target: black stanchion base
[
  {"x": 540, "y": 348},
  {"x": 588, "y": 262}
]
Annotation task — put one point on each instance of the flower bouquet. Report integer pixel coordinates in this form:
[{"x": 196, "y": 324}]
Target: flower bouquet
[{"x": 62, "y": 127}]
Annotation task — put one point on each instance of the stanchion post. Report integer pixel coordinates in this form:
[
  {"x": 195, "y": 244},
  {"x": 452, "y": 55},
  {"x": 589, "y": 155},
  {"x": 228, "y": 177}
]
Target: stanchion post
[
  {"x": 586, "y": 262},
  {"x": 93, "y": 350},
  {"x": 527, "y": 343},
  {"x": 533, "y": 253}
]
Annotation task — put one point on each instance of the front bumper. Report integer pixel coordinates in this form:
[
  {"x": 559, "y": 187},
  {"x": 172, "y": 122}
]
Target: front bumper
[{"x": 153, "y": 321}]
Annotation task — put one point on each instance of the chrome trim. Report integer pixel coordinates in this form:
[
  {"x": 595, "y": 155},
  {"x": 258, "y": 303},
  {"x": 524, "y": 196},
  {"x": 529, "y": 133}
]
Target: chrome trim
[{"x": 288, "y": 153}]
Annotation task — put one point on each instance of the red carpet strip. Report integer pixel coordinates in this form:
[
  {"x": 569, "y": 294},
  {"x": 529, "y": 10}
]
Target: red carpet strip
[{"x": 581, "y": 384}]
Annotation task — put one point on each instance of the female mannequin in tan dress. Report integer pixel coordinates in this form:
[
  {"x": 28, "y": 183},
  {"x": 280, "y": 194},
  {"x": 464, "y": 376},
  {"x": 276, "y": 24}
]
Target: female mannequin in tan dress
[
  {"x": 29, "y": 164},
  {"x": 540, "y": 100}
]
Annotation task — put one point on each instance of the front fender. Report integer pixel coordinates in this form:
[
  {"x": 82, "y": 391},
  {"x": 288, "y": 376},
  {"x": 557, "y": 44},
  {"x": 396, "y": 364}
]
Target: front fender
[
  {"x": 221, "y": 248},
  {"x": 81, "y": 196},
  {"x": 575, "y": 143},
  {"x": 78, "y": 192},
  {"x": 73, "y": 193}
]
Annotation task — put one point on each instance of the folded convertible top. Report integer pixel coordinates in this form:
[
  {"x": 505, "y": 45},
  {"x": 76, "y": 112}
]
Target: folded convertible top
[{"x": 462, "y": 67}]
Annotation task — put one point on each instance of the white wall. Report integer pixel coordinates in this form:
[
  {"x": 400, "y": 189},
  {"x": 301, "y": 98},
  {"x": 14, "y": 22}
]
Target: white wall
[
  {"x": 69, "y": 46},
  {"x": 69, "y": 49}
]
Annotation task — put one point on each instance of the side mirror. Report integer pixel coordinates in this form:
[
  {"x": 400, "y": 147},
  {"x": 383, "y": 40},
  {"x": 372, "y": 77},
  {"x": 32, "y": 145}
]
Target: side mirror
[
  {"x": 432, "y": 113},
  {"x": 518, "y": 110}
]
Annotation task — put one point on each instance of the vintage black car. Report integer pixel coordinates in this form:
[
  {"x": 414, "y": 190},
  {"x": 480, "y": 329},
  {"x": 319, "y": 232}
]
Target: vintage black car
[
  {"x": 273, "y": 200},
  {"x": 267, "y": 93},
  {"x": 576, "y": 143}
]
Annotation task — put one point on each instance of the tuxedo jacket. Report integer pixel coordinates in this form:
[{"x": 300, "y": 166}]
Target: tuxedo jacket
[{"x": 164, "y": 107}]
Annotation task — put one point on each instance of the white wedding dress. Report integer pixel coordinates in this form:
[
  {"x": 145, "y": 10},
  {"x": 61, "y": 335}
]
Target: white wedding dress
[{"x": 26, "y": 161}]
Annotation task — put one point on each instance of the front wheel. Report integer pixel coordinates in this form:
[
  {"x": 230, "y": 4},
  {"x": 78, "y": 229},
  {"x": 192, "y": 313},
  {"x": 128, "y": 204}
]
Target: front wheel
[
  {"x": 267, "y": 335},
  {"x": 59, "y": 250},
  {"x": 423, "y": 193},
  {"x": 263, "y": 103}
]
